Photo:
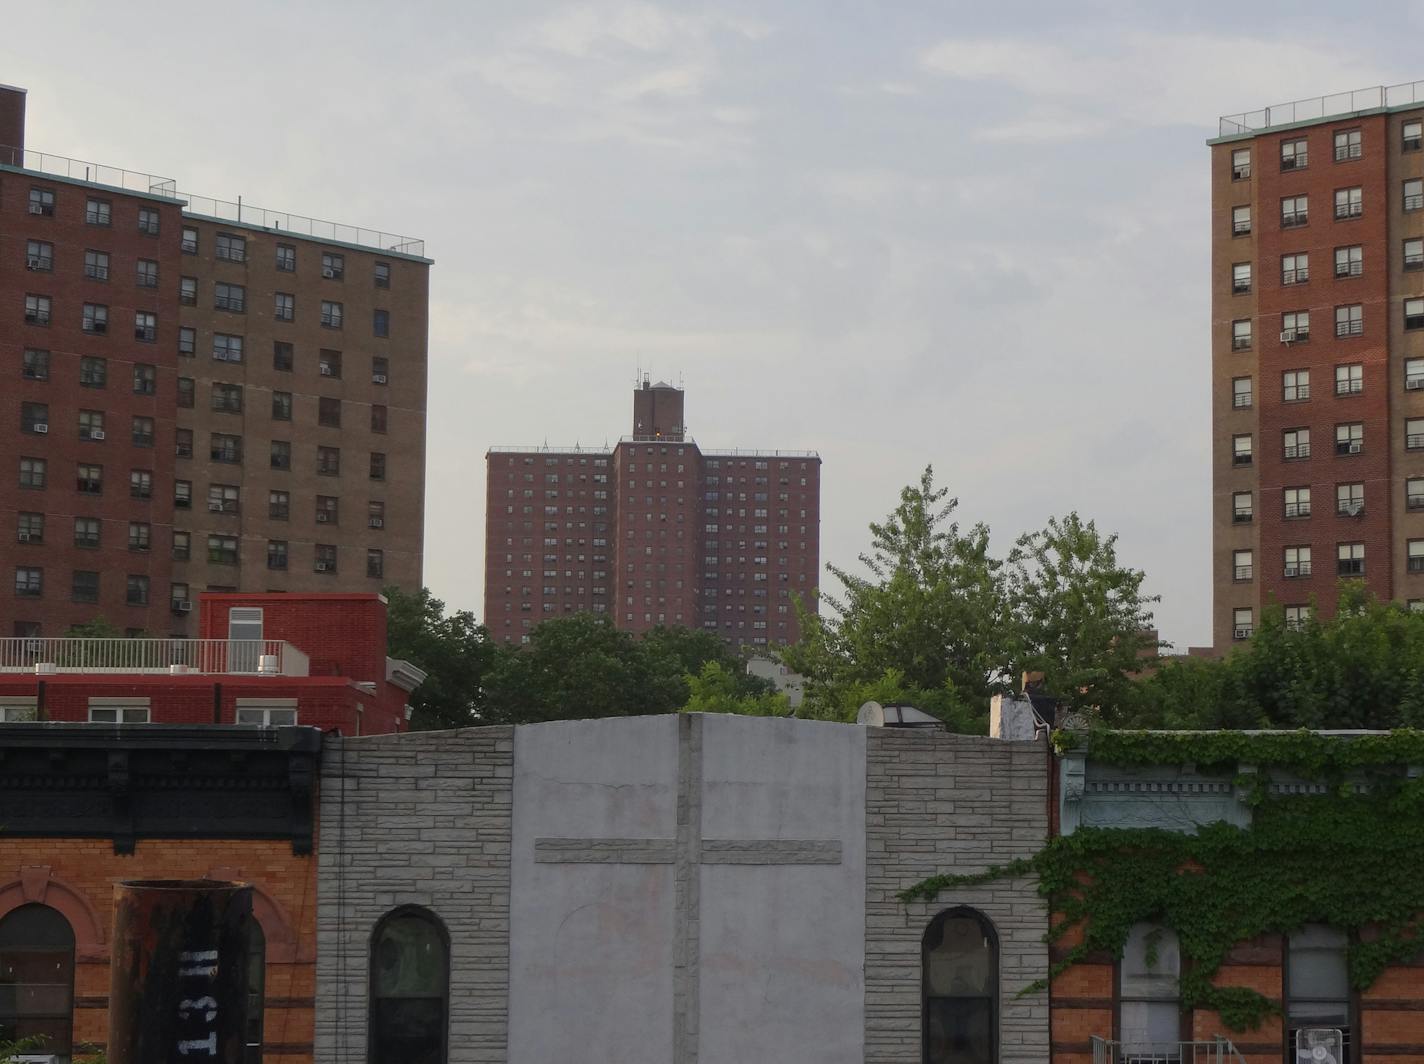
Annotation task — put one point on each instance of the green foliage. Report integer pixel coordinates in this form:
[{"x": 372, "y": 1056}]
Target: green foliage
[
  {"x": 10, "y": 1049},
  {"x": 98, "y": 628},
  {"x": 454, "y": 651},
  {"x": 1362, "y": 668},
  {"x": 1352, "y": 858},
  {"x": 717, "y": 689}
]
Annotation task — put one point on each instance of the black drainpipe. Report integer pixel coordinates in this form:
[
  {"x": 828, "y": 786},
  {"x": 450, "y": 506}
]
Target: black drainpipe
[{"x": 217, "y": 703}]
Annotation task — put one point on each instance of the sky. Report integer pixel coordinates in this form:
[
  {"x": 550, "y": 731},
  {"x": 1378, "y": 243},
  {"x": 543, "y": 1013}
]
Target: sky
[{"x": 898, "y": 233}]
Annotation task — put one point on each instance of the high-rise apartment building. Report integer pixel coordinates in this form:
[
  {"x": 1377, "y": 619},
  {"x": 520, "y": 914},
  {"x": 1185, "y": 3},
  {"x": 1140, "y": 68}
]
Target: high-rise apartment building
[
  {"x": 652, "y": 531},
  {"x": 201, "y": 396},
  {"x": 1317, "y": 354}
]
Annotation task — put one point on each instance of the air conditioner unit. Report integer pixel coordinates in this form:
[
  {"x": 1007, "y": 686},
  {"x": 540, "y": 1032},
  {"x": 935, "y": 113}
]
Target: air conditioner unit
[
  {"x": 33, "y": 264},
  {"x": 1287, "y": 336},
  {"x": 326, "y": 371},
  {"x": 1292, "y": 570},
  {"x": 376, "y": 522},
  {"x": 323, "y": 567},
  {"x": 328, "y": 272},
  {"x": 1319, "y": 1045},
  {"x": 41, "y": 428},
  {"x": 1356, "y": 446},
  {"x": 215, "y": 507},
  {"x": 24, "y": 537},
  {"x": 37, "y": 208},
  {"x": 182, "y": 606},
  {"x": 322, "y": 517},
  {"x": 1354, "y": 509},
  {"x": 378, "y": 378},
  {"x": 96, "y": 434}
]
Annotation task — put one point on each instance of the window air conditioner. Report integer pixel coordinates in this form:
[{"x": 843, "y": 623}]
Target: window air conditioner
[
  {"x": 326, "y": 371},
  {"x": 24, "y": 537},
  {"x": 96, "y": 434},
  {"x": 1354, "y": 509},
  {"x": 215, "y": 507},
  {"x": 37, "y": 208},
  {"x": 378, "y": 378},
  {"x": 1287, "y": 336},
  {"x": 376, "y": 522},
  {"x": 1356, "y": 446},
  {"x": 323, "y": 567},
  {"x": 328, "y": 272},
  {"x": 32, "y": 264},
  {"x": 322, "y": 517},
  {"x": 41, "y": 428},
  {"x": 182, "y": 606}
]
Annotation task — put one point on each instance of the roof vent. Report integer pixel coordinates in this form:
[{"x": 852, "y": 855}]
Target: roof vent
[{"x": 896, "y": 715}]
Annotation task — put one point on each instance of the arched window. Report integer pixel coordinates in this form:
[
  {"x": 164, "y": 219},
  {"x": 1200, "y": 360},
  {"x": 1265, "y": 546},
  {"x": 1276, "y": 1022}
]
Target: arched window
[
  {"x": 1148, "y": 999},
  {"x": 410, "y": 988},
  {"x": 256, "y": 989},
  {"x": 1318, "y": 984},
  {"x": 960, "y": 984},
  {"x": 37, "y": 978}
]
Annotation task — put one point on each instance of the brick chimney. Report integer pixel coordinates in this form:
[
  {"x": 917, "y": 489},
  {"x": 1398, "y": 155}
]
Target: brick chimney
[{"x": 12, "y": 125}]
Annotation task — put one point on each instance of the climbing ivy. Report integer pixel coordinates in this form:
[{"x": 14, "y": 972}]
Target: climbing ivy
[{"x": 1351, "y": 857}]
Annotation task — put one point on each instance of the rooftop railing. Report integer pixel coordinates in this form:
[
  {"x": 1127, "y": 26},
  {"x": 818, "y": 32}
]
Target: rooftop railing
[
  {"x": 300, "y": 225},
  {"x": 1216, "y": 1051},
  {"x": 1315, "y": 108},
  {"x": 82, "y": 170},
  {"x": 257, "y": 657}
]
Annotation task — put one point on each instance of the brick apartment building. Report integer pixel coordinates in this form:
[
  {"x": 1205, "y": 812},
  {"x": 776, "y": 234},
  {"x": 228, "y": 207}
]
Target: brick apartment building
[
  {"x": 201, "y": 396},
  {"x": 652, "y": 531},
  {"x": 1317, "y": 354}
]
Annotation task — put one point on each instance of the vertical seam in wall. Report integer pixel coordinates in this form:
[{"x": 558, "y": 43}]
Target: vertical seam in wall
[{"x": 687, "y": 871}]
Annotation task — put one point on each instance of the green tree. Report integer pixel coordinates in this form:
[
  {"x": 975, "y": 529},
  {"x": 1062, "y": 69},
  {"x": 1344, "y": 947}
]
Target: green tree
[
  {"x": 454, "y": 651},
  {"x": 1079, "y": 616},
  {"x": 98, "y": 628},
  {"x": 717, "y": 689}
]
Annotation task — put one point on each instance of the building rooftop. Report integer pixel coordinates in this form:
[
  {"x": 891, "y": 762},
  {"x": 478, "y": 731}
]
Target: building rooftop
[
  {"x": 1319, "y": 108},
  {"x": 688, "y": 441},
  {"x": 243, "y": 657}
]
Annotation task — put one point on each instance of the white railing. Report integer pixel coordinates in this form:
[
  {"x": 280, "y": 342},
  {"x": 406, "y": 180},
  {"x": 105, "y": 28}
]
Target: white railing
[
  {"x": 1216, "y": 1051},
  {"x": 82, "y": 170},
  {"x": 212, "y": 656},
  {"x": 301, "y": 225},
  {"x": 1317, "y": 107}
]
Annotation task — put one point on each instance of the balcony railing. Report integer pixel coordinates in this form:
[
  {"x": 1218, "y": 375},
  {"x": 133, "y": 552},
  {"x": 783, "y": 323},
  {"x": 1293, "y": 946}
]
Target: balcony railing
[
  {"x": 1216, "y": 1051},
  {"x": 300, "y": 225},
  {"x": 1316, "y": 108},
  {"x": 80, "y": 170},
  {"x": 155, "y": 656}
]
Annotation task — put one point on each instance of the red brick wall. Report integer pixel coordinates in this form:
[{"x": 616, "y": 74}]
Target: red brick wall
[{"x": 343, "y": 635}]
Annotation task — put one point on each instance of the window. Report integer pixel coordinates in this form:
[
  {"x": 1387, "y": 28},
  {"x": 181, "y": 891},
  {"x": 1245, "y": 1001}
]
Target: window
[
  {"x": 960, "y": 983},
  {"x": 148, "y": 221},
  {"x": 376, "y": 563},
  {"x": 225, "y": 448},
  {"x": 141, "y": 486},
  {"x": 34, "y": 418},
  {"x": 141, "y": 431},
  {"x": 378, "y": 419},
  {"x": 183, "y": 443},
  {"x": 1295, "y": 326},
  {"x": 1240, "y": 278},
  {"x": 329, "y": 363},
  {"x": 1413, "y": 194},
  {"x": 188, "y": 291},
  {"x": 145, "y": 326},
  {"x": 37, "y": 310},
  {"x": 1242, "y": 510},
  {"x": 1296, "y": 444},
  {"x": 89, "y": 479},
  {"x": 271, "y": 713},
  {"x": 29, "y": 528},
  {"x": 1413, "y": 374},
  {"x": 1349, "y": 499},
  {"x": 1295, "y": 269},
  {"x": 98, "y": 212},
  {"x": 187, "y": 340},
  {"x": 1295, "y": 211},
  {"x": 1241, "y": 392},
  {"x": 1415, "y": 560},
  {"x": 376, "y": 514},
  {"x": 281, "y": 454},
  {"x": 182, "y": 494},
  {"x": 1297, "y": 502},
  {"x": 1241, "y": 334},
  {"x": 95, "y": 317},
  {"x": 1296, "y": 562},
  {"x": 111, "y": 711},
  {"x": 1350, "y": 559},
  {"x": 378, "y": 465},
  {"x": 37, "y": 957},
  {"x": 1241, "y": 567},
  {"x": 230, "y": 247},
  {"x": 29, "y": 581},
  {"x": 284, "y": 306},
  {"x": 1349, "y": 380},
  {"x": 324, "y": 558},
  {"x": 1294, "y": 155},
  {"x": 1411, "y": 136},
  {"x": 1317, "y": 985},
  {"x": 1414, "y": 433},
  {"x": 1414, "y": 254},
  {"x": 1295, "y": 385},
  {"x": 327, "y": 509},
  {"x": 331, "y": 314},
  {"x": 182, "y": 546},
  {"x": 223, "y": 498},
  {"x": 282, "y": 356},
  {"x": 39, "y": 255},
  {"x": 1349, "y": 261},
  {"x": 1347, "y": 145},
  {"x": 281, "y": 406},
  {"x": 328, "y": 412},
  {"x": 1241, "y": 164},
  {"x": 381, "y": 369},
  {"x": 1414, "y": 493},
  {"x": 185, "y": 392},
  {"x": 93, "y": 372},
  {"x": 1350, "y": 320},
  {"x": 286, "y": 258},
  {"x": 328, "y": 461},
  {"x": 1296, "y": 617},
  {"x": 84, "y": 586},
  {"x": 1414, "y": 313},
  {"x": 279, "y": 505},
  {"x": 1349, "y": 202},
  {"x": 136, "y": 592},
  {"x": 1241, "y": 623},
  {"x": 32, "y": 472},
  {"x": 1350, "y": 438},
  {"x": 222, "y": 550},
  {"x": 333, "y": 266},
  {"x": 145, "y": 378},
  {"x": 42, "y": 202},
  {"x": 96, "y": 265},
  {"x": 383, "y": 275},
  {"x": 227, "y": 397},
  {"x": 146, "y": 273},
  {"x": 231, "y": 297},
  {"x": 1149, "y": 1008},
  {"x": 189, "y": 243},
  {"x": 227, "y": 348},
  {"x": 277, "y": 554},
  {"x": 35, "y": 365}
]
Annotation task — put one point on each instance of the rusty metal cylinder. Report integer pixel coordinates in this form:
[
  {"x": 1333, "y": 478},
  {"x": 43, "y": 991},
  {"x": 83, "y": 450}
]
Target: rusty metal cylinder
[{"x": 178, "y": 978}]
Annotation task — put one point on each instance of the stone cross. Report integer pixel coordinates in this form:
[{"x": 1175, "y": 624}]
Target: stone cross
[{"x": 686, "y": 853}]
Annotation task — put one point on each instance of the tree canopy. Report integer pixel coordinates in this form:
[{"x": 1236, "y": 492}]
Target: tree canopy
[{"x": 454, "y": 651}]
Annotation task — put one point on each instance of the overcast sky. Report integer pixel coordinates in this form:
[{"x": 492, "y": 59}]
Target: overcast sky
[{"x": 897, "y": 233}]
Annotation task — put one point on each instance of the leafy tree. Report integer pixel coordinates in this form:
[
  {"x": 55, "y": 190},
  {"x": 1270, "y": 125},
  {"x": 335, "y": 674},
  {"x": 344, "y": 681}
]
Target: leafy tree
[
  {"x": 455, "y": 652},
  {"x": 717, "y": 689},
  {"x": 1079, "y": 616},
  {"x": 98, "y": 628}
]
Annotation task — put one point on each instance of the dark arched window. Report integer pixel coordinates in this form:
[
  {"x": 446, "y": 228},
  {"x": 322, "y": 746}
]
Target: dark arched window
[
  {"x": 37, "y": 978},
  {"x": 1149, "y": 1007},
  {"x": 256, "y": 989},
  {"x": 410, "y": 989},
  {"x": 960, "y": 963}
]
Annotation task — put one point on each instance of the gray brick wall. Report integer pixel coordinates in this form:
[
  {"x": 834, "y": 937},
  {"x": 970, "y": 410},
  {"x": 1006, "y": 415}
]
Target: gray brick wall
[
  {"x": 419, "y": 819},
  {"x": 950, "y": 803}
]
